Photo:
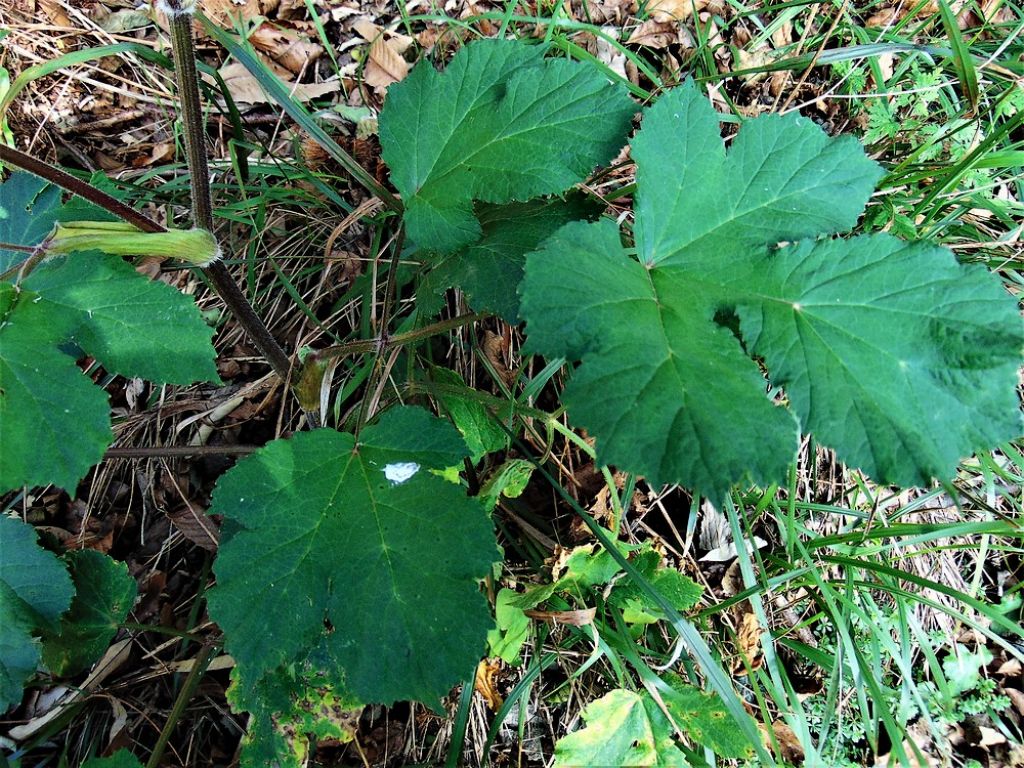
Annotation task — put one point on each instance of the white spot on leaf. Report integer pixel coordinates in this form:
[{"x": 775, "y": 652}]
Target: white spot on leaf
[{"x": 400, "y": 471}]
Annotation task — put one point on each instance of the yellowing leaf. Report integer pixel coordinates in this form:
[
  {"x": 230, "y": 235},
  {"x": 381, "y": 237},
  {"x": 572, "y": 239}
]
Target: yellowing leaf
[{"x": 623, "y": 729}]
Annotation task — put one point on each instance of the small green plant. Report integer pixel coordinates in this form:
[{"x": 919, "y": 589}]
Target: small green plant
[
  {"x": 62, "y": 612},
  {"x": 705, "y": 338}
]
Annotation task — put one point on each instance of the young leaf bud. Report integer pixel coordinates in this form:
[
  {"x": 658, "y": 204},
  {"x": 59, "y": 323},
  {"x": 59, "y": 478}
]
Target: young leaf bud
[{"x": 195, "y": 246}]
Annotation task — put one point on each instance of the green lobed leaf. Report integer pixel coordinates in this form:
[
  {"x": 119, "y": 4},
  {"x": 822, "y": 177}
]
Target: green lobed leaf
[
  {"x": 508, "y": 480},
  {"x": 865, "y": 335},
  {"x": 481, "y": 430},
  {"x": 681, "y": 592},
  {"x": 104, "y": 594},
  {"x": 512, "y": 628},
  {"x": 54, "y": 423},
  {"x": 135, "y": 326},
  {"x": 963, "y": 668},
  {"x": 891, "y": 352},
  {"x": 624, "y": 729},
  {"x": 500, "y": 124},
  {"x": 366, "y": 538},
  {"x": 489, "y": 271},
  {"x": 35, "y": 591}
]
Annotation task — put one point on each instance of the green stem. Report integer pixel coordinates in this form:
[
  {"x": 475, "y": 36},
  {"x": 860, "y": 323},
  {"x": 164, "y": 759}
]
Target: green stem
[
  {"x": 195, "y": 675},
  {"x": 183, "y": 47},
  {"x": 178, "y": 451},
  {"x": 383, "y": 343},
  {"x": 24, "y": 268},
  {"x": 369, "y": 345}
]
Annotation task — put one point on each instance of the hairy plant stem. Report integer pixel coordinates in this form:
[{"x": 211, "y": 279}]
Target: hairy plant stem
[
  {"x": 369, "y": 345},
  {"x": 187, "y": 77},
  {"x": 83, "y": 189},
  {"x": 178, "y": 451}
]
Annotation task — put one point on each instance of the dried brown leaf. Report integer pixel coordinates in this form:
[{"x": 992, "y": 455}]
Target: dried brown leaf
[
  {"x": 384, "y": 65},
  {"x": 245, "y": 89},
  {"x": 287, "y": 48},
  {"x": 675, "y": 10},
  {"x": 655, "y": 34},
  {"x": 196, "y": 527},
  {"x": 486, "y": 683}
]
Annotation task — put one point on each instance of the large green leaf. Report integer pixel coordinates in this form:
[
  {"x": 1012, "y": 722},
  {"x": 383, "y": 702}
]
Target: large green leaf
[
  {"x": 500, "y": 124},
  {"x": 104, "y": 593},
  {"x": 703, "y": 717},
  {"x": 894, "y": 354},
  {"x": 624, "y": 729},
  {"x": 361, "y": 546},
  {"x": 135, "y": 326},
  {"x": 54, "y": 423},
  {"x": 35, "y": 590}
]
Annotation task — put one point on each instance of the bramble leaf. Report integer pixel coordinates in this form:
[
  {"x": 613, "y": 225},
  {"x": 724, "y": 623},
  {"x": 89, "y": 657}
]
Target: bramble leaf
[
  {"x": 500, "y": 124},
  {"x": 892, "y": 353},
  {"x": 361, "y": 547},
  {"x": 624, "y": 728},
  {"x": 104, "y": 594},
  {"x": 35, "y": 591}
]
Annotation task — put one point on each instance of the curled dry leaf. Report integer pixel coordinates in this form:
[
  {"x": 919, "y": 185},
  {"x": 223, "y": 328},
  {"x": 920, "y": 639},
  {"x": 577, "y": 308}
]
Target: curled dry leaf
[
  {"x": 486, "y": 683},
  {"x": 790, "y": 748},
  {"x": 385, "y": 64},
  {"x": 245, "y": 89},
  {"x": 748, "y": 642},
  {"x": 658, "y": 34},
  {"x": 577, "y": 618},
  {"x": 285, "y": 46},
  {"x": 675, "y": 10},
  {"x": 196, "y": 526},
  {"x": 223, "y": 11}
]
